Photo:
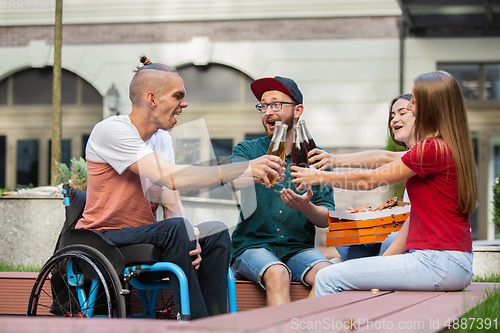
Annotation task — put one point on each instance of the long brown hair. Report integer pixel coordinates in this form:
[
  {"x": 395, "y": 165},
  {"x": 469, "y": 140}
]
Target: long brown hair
[{"x": 441, "y": 113}]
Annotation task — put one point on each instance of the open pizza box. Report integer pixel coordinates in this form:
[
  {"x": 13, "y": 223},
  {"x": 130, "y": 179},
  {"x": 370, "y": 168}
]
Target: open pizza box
[
  {"x": 401, "y": 208},
  {"x": 366, "y": 227}
]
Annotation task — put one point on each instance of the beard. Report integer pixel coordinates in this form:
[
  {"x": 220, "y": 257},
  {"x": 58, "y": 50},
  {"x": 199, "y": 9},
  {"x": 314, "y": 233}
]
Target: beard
[{"x": 288, "y": 121}]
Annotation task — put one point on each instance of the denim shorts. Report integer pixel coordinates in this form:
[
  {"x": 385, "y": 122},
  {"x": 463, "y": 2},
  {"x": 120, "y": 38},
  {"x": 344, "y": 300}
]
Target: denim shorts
[{"x": 253, "y": 263}]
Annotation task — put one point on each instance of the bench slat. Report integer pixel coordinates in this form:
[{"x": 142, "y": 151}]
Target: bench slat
[
  {"x": 261, "y": 319},
  {"x": 433, "y": 314}
]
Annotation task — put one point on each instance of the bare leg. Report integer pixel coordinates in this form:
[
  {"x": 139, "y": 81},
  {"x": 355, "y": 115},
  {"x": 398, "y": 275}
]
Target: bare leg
[
  {"x": 311, "y": 275},
  {"x": 277, "y": 282}
]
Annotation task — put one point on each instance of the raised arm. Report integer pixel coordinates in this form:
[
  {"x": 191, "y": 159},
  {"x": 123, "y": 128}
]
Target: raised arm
[
  {"x": 186, "y": 177},
  {"x": 369, "y": 159},
  {"x": 387, "y": 174}
]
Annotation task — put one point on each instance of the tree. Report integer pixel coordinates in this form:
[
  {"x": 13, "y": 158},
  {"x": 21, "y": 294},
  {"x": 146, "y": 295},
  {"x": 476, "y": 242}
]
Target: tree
[{"x": 56, "y": 154}]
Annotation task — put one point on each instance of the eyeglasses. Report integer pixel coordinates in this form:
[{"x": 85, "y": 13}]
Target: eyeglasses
[{"x": 275, "y": 106}]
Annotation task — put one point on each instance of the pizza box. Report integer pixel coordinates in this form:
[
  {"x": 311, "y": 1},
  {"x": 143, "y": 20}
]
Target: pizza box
[
  {"x": 335, "y": 224},
  {"x": 336, "y": 216},
  {"x": 364, "y": 231},
  {"x": 356, "y": 240}
]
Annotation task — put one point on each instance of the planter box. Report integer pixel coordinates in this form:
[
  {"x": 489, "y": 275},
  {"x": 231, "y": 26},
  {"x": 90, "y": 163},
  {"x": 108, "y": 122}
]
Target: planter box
[
  {"x": 29, "y": 227},
  {"x": 486, "y": 259}
]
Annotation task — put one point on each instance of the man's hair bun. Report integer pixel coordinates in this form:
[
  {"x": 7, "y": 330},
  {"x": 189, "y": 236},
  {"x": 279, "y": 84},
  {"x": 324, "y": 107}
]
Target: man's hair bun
[{"x": 145, "y": 61}]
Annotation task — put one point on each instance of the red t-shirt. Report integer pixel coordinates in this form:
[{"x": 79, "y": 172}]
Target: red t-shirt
[{"x": 435, "y": 221}]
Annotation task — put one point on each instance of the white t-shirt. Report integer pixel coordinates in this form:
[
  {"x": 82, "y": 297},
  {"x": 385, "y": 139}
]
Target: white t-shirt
[
  {"x": 161, "y": 143},
  {"x": 116, "y": 141}
]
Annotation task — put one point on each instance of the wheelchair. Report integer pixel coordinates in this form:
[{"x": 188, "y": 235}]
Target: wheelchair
[{"x": 88, "y": 276}]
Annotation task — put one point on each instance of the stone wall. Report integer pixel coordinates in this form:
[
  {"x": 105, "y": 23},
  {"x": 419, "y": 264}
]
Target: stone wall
[{"x": 29, "y": 227}]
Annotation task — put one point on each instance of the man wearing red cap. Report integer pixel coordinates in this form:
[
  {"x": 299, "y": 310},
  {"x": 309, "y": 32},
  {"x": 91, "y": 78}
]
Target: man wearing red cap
[{"x": 273, "y": 242}]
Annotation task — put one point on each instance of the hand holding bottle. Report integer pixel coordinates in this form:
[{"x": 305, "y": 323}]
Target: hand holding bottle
[
  {"x": 267, "y": 169},
  {"x": 321, "y": 159}
]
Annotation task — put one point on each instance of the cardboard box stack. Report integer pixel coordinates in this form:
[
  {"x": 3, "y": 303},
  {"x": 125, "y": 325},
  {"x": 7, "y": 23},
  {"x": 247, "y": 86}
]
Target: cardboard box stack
[{"x": 367, "y": 227}]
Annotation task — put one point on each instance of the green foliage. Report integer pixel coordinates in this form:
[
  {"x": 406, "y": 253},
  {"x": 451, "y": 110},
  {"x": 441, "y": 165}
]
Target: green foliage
[
  {"x": 496, "y": 202},
  {"x": 483, "y": 318},
  {"x": 18, "y": 268},
  {"x": 398, "y": 189},
  {"x": 76, "y": 176},
  {"x": 6, "y": 189},
  {"x": 492, "y": 277},
  {"x": 392, "y": 146}
]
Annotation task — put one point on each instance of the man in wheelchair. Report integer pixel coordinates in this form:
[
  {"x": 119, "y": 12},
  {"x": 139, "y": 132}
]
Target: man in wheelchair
[{"x": 122, "y": 198}]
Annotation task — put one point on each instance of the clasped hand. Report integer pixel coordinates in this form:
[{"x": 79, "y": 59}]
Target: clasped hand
[{"x": 268, "y": 165}]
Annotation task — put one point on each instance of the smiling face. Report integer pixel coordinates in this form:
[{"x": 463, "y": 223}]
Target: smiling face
[
  {"x": 170, "y": 100},
  {"x": 402, "y": 122},
  {"x": 285, "y": 115}
]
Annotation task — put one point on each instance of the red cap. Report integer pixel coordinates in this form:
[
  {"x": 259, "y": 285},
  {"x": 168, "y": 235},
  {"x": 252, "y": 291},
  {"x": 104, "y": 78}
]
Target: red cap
[{"x": 283, "y": 84}]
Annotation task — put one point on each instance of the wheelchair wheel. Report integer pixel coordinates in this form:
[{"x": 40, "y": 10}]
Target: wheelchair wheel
[{"x": 77, "y": 281}]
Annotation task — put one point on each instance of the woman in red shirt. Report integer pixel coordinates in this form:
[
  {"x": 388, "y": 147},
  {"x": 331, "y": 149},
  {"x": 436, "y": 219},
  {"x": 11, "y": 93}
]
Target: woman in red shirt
[{"x": 434, "y": 250}]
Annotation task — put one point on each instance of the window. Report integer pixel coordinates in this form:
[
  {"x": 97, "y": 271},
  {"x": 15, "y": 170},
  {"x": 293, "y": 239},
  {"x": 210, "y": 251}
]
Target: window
[
  {"x": 65, "y": 154},
  {"x": 223, "y": 149},
  {"x": 253, "y": 136},
  {"x": 85, "y": 139},
  {"x": 492, "y": 81},
  {"x": 3, "y": 155},
  {"x": 3, "y": 92},
  {"x": 479, "y": 82},
  {"x": 89, "y": 94},
  {"x": 34, "y": 86},
  {"x": 187, "y": 151},
  {"x": 27, "y": 162}
]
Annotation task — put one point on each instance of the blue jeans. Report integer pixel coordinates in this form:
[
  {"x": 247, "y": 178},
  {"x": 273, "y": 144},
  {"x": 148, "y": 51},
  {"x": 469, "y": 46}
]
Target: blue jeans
[
  {"x": 348, "y": 252},
  {"x": 208, "y": 284},
  {"x": 253, "y": 263},
  {"x": 417, "y": 270}
]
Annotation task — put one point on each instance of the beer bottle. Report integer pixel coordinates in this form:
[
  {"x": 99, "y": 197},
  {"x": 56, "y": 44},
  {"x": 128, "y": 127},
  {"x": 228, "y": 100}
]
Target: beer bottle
[
  {"x": 277, "y": 145},
  {"x": 299, "y": 150},
  {"x": 310, "y": 144}
]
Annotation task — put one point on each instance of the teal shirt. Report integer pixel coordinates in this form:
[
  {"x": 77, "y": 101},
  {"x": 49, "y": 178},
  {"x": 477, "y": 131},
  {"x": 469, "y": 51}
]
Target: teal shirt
[{"x": 265, "y": 221}]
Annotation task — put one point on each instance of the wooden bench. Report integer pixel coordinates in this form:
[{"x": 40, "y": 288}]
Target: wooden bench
[
  {"x": 251, "y": 296},
  {"x": 15, "y": 288}
]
